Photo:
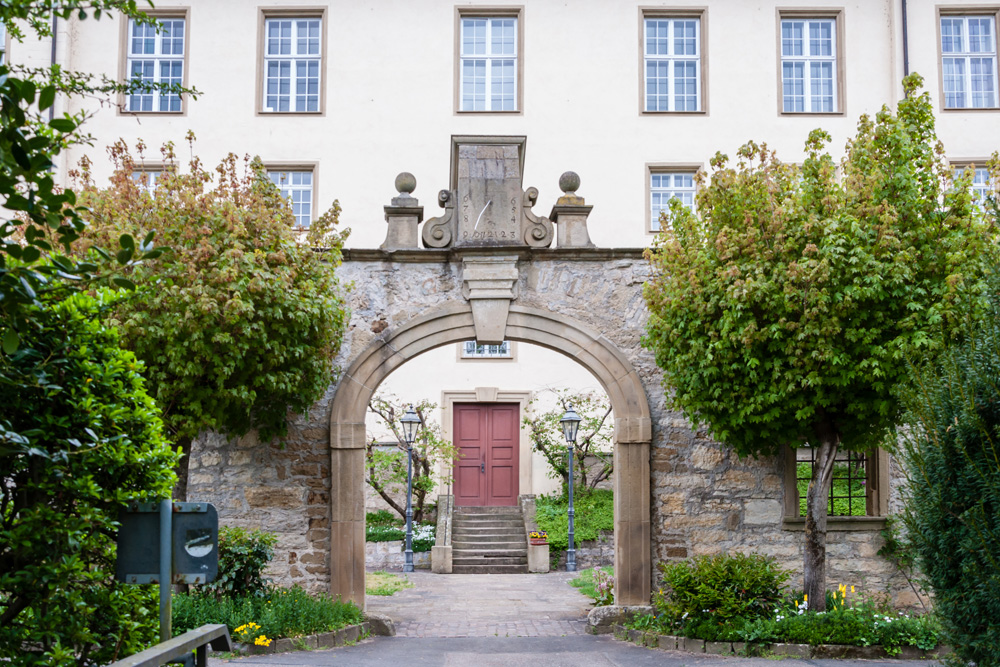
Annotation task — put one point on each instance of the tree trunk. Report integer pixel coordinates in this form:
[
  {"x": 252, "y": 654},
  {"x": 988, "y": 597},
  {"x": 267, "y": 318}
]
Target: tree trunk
[
  {"x": 817, "y": 501},
  {"x": 181, "y": 487}
]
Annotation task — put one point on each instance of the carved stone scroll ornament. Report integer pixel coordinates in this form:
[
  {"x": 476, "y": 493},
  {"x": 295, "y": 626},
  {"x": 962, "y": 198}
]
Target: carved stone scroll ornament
[
  {"x": 440, "y": 232},
  {"x": 537, "y": 231}
]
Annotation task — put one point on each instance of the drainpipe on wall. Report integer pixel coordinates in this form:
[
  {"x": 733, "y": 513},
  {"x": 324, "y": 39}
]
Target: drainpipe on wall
[
  {"x": 906, "y": 45},
  {"x": 52, "y": 60}
]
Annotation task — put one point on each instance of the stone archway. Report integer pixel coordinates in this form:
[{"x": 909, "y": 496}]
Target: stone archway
[{"x": 554, "y": 331}]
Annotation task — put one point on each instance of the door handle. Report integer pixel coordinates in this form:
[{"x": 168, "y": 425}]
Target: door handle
[{"x": 482, "y": 467}]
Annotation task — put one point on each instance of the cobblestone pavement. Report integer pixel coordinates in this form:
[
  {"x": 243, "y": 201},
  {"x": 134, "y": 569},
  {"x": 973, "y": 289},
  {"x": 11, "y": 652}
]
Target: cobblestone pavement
[{"x": 486, "y": 605}]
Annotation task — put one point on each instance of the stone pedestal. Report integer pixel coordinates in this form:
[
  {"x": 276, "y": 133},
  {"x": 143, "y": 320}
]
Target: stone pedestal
[
  {"x": 403, "y": 216},
  {"x": 570, "y": 215}
]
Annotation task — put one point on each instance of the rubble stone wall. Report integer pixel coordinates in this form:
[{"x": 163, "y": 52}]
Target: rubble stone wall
[{"x": 704, "y": 499}]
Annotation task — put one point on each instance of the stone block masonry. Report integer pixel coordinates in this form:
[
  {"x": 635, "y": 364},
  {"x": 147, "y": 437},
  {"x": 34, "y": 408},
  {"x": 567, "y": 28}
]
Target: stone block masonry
[{"x": 702, "y": 499}]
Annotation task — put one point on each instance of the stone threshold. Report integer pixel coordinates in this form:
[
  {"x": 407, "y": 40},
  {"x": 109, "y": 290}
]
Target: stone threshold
[
  {"x": 807, "y": 651},
  {"x": 374, "y": 624}
]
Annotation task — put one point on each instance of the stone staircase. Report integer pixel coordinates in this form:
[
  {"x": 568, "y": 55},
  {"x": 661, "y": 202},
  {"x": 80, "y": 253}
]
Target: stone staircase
[{"x": 488, "y": 540}]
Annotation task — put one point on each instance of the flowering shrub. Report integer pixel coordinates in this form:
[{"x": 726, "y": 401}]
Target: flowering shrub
[
  {"x": 604, "y": 588},
  {"x": 247, "y": 633}
]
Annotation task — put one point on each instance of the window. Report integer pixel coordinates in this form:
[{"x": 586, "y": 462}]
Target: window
[
  {"x": 969, "y": 62},
  {"x": 859, "y": 487},
  {"x": 672, "y": 64},
  {"x": 3, "y": 43},
  {"x": 667, "y": 185},
  {"x": 488, "y": 63},
  {"x": 292, "y": 64},
  {"x": 474, "y": 350},
  {"x": 155, "y": 55},
  {"x": 981, "y": 186},
  {"x": 146, "y": 178},
  {"x": 809, "y": 81},
  {"x": 297, "y": 187}
]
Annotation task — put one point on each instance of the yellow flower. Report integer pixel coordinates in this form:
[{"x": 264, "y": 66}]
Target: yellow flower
[
  {"x": 852, "y": 588},
  {"x": 805, "y": 596}
]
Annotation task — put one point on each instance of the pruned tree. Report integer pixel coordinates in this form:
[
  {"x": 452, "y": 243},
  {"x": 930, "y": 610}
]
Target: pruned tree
[
  {"x": 386, "y": 470},
  {"x": 594, "y": 458},
  {"x": 783, "y": 311},
  {"x": 238, "y": 322}
]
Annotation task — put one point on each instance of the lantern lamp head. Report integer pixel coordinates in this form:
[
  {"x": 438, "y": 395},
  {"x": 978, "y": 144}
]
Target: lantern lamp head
[
  {"x": 570, "y": 423},
  {"x": 410, "y": 422}
]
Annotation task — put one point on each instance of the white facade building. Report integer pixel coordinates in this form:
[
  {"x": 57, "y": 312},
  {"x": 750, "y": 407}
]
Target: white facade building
[{"x": 337, "y": 98}]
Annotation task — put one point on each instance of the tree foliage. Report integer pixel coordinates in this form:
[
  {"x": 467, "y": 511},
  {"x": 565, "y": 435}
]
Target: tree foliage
[
  {"x": 951, "y": 451},
  {"x": 79, "y": 439},
  {"x": 239, "y": 321},
  {"x": 386, "y": 470},
  {"x": 593, "y": 456},
  {"x": 784, "y": 310}
]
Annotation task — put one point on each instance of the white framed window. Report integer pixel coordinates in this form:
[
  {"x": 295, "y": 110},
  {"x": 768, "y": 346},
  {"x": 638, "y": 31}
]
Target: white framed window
[
  {"x": 488, "y": 63},
  {"x": 664, "y": 186},
  {"x": 969, "y": 62},
  {"x": 809, "y": 65},
  {"x": 293, "y": 55},
  {"x": 297, "y": 187},
  {"x": 672, "y": 64},
  {"x": 155, "y": 55},
  {"x": 146, "y": 179},
  {"x": 471, "y": 349},
  {"x": 3, "y": 43}
]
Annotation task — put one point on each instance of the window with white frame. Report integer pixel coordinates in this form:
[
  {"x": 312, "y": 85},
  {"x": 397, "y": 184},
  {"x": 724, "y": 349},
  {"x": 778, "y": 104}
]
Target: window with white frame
[
  {"x": 672, "y": 63},
  {"x": 155, "y": 55},
  {"x": 809, "y": 65},
  {"x": 146, "y": 178},
  {"x": 981, "y": 186},
  {"x": 292, "y": 59},
  {"x": 488, "y": 63},
  {"x": 474, "y": 350},
  {"x": 3, "y": 43},
  {"x": 969, "y": 62},
  {"x": 664, "y": 186},
  {"x": 297, "y": 187}
]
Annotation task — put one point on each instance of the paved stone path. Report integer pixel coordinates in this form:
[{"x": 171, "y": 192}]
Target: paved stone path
[{"x": 486, "y": 605}]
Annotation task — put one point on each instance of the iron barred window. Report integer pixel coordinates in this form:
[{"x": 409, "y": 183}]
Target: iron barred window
[{"x": 848, "y": 489}]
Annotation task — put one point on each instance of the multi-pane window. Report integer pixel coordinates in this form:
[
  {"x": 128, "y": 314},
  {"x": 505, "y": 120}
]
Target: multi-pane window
[
  {"x": 147, "y": 178},
  {"x": 3, "y": 43},
  {"x": 849, "y": 488},
  {"x": 672, "y": 61},
  {"x": 488, "y": 64},
  {"x": 297, "y": 187},
  {"x": 474, "y": 350},
  {"x": 666, "y": 186},
  {"x": 981, "y": 186},
  {"x": 155, "y": 55},
  {"x": 809, "y": 65},
  {"x": 969, "y": 62},
  {"x": 292, "y": 58}
]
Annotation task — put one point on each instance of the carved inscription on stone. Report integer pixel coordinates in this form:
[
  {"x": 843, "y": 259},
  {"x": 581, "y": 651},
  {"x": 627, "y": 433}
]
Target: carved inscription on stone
[{"x": 489, "y": 196}]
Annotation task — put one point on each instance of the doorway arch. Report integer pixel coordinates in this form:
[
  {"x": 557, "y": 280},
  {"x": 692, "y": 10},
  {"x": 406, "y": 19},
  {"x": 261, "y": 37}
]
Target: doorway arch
[{"x": 452, "y": 324}]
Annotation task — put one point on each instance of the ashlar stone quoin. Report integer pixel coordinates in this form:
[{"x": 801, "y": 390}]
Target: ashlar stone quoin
[{"x": 678, "y": 493}]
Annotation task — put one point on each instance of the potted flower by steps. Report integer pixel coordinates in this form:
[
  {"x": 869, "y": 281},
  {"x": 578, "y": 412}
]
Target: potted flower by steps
[{"x": 538, "y": 537}]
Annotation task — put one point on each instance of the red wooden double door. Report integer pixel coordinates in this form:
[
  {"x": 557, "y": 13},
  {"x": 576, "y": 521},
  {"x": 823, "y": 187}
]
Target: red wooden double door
[{"x": 486, "y": 438}]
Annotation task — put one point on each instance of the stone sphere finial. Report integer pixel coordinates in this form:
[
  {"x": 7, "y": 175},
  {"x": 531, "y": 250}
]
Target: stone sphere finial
[
  {"x": 569, "y": 182},
  {"x": 406, "y": 183}
]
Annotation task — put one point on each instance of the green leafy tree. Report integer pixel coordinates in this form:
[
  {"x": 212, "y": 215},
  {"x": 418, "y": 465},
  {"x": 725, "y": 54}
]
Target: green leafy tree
[
  {"x": 593, "y": 457},
  {"x": 386, "y": 470},
  {"x": 782, "y": 313},
  {"x": 79, "y": 440},
  {"x": 239, "y": 321}
]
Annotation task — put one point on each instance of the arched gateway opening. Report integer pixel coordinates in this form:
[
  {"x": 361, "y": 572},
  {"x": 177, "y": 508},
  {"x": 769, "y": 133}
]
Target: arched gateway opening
[{"x": 452, "y": 324}]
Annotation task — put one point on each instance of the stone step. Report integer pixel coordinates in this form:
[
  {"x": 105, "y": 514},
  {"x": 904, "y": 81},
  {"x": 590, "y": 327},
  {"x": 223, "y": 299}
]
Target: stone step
[
  {"x": 488, "y": 553},
  {"x": 469, "y": 509},
  {"x": 487, "y": 524},
  {"x": 489, "y": 569},
  {"x": 490, "y": 561},
  {"x": 486, "y": 530},
  {"x": 519, "y": 540}
]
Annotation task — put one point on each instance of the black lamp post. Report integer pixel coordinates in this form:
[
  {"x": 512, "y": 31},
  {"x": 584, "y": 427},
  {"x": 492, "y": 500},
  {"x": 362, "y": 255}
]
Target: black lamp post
[
  {"x": 570, "y": 423},
  {"x": 410, "y": 422}
]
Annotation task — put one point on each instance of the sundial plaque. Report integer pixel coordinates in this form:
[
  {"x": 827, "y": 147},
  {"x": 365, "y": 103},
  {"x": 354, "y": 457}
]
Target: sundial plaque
[{"x": 489, "y": 194}]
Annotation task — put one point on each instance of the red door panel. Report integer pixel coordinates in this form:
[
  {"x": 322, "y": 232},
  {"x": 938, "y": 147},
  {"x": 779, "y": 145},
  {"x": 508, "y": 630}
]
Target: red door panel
[{"x": 486, "y": 437}]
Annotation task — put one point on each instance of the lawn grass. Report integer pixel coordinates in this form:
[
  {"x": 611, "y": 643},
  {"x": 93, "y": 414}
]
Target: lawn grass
[
  {"x": 585, "y": 581},
  {"x": 383, "y": 583}
]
